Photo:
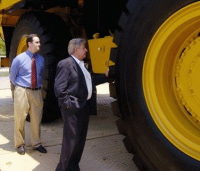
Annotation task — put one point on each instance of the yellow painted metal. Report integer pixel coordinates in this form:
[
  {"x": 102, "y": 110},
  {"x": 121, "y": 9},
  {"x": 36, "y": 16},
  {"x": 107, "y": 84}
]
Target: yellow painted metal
[
  {"x": 4, "y": 4},
  {"x": 99, "y": 52},
  {"x": 22, "y": 47},
  {"x": 1, "y": 34},
  {"x": 171, "y": 79},
  {"x": 187, "y": 78},
  {"x": 8, "y": 20},
  {"x": 5, "y": 62}
]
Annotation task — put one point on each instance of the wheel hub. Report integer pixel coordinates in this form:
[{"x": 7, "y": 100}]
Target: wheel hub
[{"x": 188, "y": 79}]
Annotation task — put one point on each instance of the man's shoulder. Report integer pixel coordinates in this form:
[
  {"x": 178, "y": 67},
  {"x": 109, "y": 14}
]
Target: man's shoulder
[
  {"x": 20, "y": 56},
  {"x": 69, "y": 60}
]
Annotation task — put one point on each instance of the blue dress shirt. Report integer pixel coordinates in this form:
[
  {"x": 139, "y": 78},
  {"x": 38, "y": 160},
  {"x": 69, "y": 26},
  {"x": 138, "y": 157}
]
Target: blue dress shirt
[{"x": 20, "y": 71}]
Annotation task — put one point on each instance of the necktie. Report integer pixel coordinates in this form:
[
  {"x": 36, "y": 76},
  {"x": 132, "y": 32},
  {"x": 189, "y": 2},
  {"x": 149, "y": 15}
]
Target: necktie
[{"x": 33, "y": 73}]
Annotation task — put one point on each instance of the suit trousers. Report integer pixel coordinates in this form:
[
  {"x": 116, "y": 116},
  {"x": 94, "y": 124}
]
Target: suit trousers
[
  {"x": 26, "y": 102},
  {"x": 74, "y": 137}
]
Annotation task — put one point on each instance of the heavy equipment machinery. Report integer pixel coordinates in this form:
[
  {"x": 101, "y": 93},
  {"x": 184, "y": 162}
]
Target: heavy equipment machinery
[{"x": 152, "y": 48}]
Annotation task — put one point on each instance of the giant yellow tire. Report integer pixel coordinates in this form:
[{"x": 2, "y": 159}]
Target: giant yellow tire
[{"x": 158, "y": 83}]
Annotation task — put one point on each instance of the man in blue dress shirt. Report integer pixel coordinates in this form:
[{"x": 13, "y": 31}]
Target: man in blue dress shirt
[{"x": 28, "y": 99}]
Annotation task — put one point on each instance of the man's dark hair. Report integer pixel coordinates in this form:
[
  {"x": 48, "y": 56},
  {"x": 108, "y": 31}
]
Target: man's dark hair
[{"x": 30, "y": 38}]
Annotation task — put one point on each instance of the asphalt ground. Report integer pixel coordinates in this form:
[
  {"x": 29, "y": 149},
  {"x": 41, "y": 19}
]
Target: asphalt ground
[{"x": 104, "y": 150}]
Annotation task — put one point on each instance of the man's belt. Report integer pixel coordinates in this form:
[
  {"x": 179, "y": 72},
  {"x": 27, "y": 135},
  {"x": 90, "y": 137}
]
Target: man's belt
[{"x": 31, "y": 88}]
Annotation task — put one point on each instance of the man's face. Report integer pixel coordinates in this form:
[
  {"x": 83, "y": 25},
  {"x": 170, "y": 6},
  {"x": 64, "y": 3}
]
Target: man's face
[
  {"x": 81, "y": 52},
  {"x": 35, "y": 45}
]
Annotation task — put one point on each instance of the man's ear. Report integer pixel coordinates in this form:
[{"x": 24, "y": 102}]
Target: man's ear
[
  {"x": 29, "y": 44},
  {"x": 75, "y": 50}
]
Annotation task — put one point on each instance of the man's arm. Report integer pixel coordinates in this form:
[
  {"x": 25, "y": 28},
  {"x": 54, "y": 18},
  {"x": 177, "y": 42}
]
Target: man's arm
[
  {"x": 101, "y": 78},
  {"x": 61, "y": 83},
  {"x": 14, "y": 71}
]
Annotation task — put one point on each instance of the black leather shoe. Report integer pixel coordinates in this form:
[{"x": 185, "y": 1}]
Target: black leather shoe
[
  {"x": 41, "y": 149},
  {"x": 21, "y": 150}
]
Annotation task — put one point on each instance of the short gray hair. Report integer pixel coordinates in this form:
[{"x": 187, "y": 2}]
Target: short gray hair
[{"x": 75, "y": 43}]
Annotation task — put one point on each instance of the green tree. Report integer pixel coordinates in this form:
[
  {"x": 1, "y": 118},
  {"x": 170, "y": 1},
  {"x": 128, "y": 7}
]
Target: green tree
[{"x": 2, "y": 47}]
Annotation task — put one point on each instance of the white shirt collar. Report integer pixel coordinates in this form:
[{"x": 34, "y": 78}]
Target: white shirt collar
[{"x": 77, "y": 60}]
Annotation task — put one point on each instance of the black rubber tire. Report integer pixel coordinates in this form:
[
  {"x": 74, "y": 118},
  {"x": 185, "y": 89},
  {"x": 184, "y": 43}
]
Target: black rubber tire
[
  {"x": 152, "y": 150},
  {"x": 54, "y": 36}
]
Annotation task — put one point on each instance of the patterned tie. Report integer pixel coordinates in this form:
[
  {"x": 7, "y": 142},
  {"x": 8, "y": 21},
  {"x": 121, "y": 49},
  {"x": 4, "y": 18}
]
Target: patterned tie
[{"x": 33, "y": 73}]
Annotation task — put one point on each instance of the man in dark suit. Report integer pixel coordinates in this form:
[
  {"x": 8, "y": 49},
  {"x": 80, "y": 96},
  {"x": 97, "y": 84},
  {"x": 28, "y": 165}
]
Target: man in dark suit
[{"x": 74, "y": 89}]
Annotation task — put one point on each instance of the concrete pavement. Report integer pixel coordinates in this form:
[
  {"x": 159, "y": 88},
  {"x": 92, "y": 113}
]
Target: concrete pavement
[{"x": 104, "y": 150}]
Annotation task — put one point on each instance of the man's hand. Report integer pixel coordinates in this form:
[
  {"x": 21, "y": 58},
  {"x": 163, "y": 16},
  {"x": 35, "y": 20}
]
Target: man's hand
[{"x": 107, "y": 72}]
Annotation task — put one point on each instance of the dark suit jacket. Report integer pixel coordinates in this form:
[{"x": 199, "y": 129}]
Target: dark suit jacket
[{"x": 70, "y": 86}]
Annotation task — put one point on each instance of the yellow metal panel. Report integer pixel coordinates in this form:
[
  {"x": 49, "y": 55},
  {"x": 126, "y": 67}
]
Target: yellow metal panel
[
  {"x": 7, "y": 3},
  {"x": 1, "y": 33},
  {"x": 99, "y": 51},
  {"x": 5, "y": 62},
  {"x": 7, "y": 20}
]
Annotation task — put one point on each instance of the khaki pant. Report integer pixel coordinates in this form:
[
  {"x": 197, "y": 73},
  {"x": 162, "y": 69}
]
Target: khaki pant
[{"x": 26, "y": 102}]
